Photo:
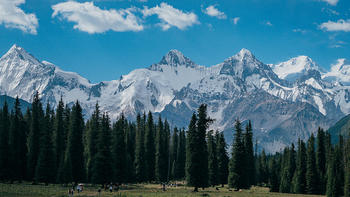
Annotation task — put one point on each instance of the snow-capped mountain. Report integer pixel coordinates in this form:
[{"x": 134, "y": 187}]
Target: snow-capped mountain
[{"x": 285, "y": 101}]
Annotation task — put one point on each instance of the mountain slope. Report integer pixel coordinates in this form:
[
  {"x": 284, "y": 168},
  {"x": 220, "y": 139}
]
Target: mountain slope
[{"x": 240, "y": 87}]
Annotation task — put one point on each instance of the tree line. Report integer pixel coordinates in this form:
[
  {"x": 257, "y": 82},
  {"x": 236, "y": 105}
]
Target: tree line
[
  {"x": 47, "y": 145},
  {"x": 314, "y": 167},
  {"x": 57, "y": 146}
]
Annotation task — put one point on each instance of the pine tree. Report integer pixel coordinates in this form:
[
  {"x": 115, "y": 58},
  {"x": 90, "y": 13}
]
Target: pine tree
[
  {"x": 130, "y": 151},
  {"x": 299, "y": 181},
  {"x": 173, "y": 153},
  {"x": 94, "y": 126},
  {"x": 222, "y": 158},
  {"x": 181, "y": 156},
  {"x": 17, "y": 144},
  {"x": 34, "y": 136},
  {"x": 193, "y": 159},
  {"x": 149, "y": 147},
  {"x": 212, "y": 160},
  {"x": 161, "y": 159},
  {"x": 321, "y": 161},
  {"x": 263, "y": 168},
  {"x": 249, "y": 155},
  {"x": 102, "y": 168},
  {"x": 140, "y": 168},
  {"x": 339, "y": 166},
  {"x": 347, "y": 168},
  {"x": 331, "y": 190},
  {"x": 236, "y": 179},
  {"x": 75, "y": 144},
  {"x": 311, "y": 171},
  {"x": 118, "y": 151},
  {"x": 59, "y": 134},
  {"x": 273, "y": 178},
  {"x": 46, "y": 161},
  {"x": 4, "y": 145}
]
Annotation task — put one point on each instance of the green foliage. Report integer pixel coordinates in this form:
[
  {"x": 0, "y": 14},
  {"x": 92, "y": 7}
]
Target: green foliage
[
  {"x": 149, "y": 147},
  {"x": 140, "y": 167},
  {"x": 237, "y": 162},
  {"x": 118, "y": 151},
  {"x": 311, "y": 171},
  {"x": 212, "y": 160},
  {"x": 222, "y": 158}
]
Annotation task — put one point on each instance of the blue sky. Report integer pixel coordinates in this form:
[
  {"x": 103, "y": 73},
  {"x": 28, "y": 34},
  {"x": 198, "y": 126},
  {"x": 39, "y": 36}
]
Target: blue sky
[{"x": 103, "y": 39}]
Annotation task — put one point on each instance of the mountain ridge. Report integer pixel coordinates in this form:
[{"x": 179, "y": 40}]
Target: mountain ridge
[{"x": 176, "y": 85}]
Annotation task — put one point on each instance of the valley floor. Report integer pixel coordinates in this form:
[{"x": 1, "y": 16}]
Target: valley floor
[{"x": 139, "y": 190}]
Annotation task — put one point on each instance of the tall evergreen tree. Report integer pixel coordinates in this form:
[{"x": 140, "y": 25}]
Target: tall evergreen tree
[
  {"x": 102, "y": 168},
  {"x": 321, "y": 160},
  {"x": 46, "y": 161},
  {"x": 173, "y": 153},
  {"x": 34, "y": 136},
  {"x": 140, "y": 168},
  {"x": 161, "y": 159},
  {"x": 4, "y": 145},
  {"x": 347, "y": 168},
  {"x": 181, "y": 156},
  {"x": 222, "y": 159},
  {"x": 299, "y": 179},
  {"x": 94, "y": 126},
  {"x": 263, "y": 168},
  {"x": 118, "y": 151},
  {"x": 212, "y": 160},
  {"x": 311, "y": 171},
  {"x": 236, "y": 166},
  {"x": 75, "y": 149},
  {"x": 59, "y": 134},
  {"x": 249, "y": 156},
  {"x": 273, "y": 175},
  {"x": 193, "y": 155},
  {"x": 17, "y": 144},
  {"x": 130, "y": 151},
  {"x": 150, "y": 147}
]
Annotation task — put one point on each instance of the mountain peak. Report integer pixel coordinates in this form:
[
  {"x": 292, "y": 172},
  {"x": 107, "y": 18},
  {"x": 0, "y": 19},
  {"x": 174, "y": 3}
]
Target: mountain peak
[
  {"x": 176, "y": 58},
  {"x": 294, "y": 68},
  {"x": 245, "y": 52},
  {"x": 18, "y": 52}
]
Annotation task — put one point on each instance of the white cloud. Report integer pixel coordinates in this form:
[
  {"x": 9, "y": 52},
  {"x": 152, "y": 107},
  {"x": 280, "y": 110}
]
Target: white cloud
[
  {"x": 14, "y": 17},
  {"x": 340, "y": 25},
  {"x": 235, "y": 20},
  {"x": 268, "y": 23},
  {"x": 171, "y": 17},
  {"x": 303, "y": 31},
  {"x": 214, "y": 12},
  {"x": 92, "y": 19},
  {"x": 331, "y": 2}
]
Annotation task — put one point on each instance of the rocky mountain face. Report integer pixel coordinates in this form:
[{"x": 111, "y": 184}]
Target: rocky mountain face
[{"x": 285, "y": 101}]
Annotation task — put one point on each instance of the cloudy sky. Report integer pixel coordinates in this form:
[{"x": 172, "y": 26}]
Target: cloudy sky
[{"x": 103, "y": 39}]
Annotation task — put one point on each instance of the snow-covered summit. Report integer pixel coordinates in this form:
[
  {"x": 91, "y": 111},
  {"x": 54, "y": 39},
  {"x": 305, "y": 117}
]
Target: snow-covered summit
[
  {"x": 294, "y": 68},
  {"x": 176, "y": 58},
  {"x": 339, "y": 72}
]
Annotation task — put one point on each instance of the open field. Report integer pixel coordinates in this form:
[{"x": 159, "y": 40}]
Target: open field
[{"x": 144, "y": 190}]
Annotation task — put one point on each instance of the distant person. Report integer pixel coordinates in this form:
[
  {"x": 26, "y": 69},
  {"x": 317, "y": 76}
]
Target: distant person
[
  {"x": 99, "y": 191},
  {"x": 111, "y": 188}
]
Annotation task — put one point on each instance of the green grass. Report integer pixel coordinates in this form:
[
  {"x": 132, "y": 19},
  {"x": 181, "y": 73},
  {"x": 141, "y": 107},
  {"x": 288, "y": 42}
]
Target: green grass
[{"x": 139, "y": 190}]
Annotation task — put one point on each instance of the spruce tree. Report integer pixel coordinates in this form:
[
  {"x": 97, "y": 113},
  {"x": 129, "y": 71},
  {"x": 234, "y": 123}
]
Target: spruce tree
[
  {"x": 94, "y": 126},
  {"x": 4, "y": 143},
  {"x": 34, "y": 136},
  {"x": 212, "y": 160},
  {"x": 161, "y": 159},
  {"x": 75, "y": 144},
  {"x": 321, "y": 161},
  {"x": 130, "y": 151},
  {"x": 46, "y": 161},
  {"x": 17, "y": 143},
  {"x": 173, "y": 153},
  {"x": 249, "y": 156},
  {"x": 236, "y": 166},
  {"x": 59, "y": 134},
  {"x": 331, "y": 190},
  {"x": 102, "y": 168},
  {"x": 140, "y": 168},
  {"x": 181, "y": 156},
  {"x": 273, "y": 175},
  {"x": 193, "y": 155},
  {"x": 311, "y": 171},
  {"x": 118, "y": 151},
  {"x": 149, "y": 147},
  {"x": 222, "y": 158},
  {"x": 299, "y": 179},
  {"x": 347, "y": 168},
  {"x": 263, "y": 168}
]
